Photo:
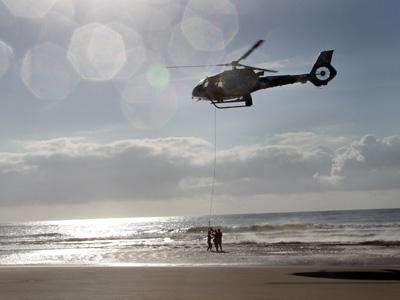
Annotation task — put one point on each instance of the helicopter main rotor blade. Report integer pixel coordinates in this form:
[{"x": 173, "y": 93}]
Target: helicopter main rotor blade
[
  {"x": 255, "y": 46},
  {"x": 198, "y": 66},
  {"x": 261, "y": 69}
]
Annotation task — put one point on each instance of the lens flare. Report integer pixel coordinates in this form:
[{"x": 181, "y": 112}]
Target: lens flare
[
  {"x": 135, "y": 50},
  {"x": 147, "y": 106},
  {"x": 57, "y": 28},
  {"x": 97, "y": 52},
  {"x": 29, "y": 8},
  {"x": 157, "y": 76},
  {"x": 210, "y": 29},
  {"x": 182, "y": 53},
  {"x": 47, "y": 73},
  {"x": 6, "y": 58}
]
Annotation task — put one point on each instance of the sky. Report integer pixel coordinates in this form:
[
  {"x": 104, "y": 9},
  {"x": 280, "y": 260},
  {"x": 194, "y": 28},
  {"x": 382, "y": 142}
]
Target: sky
[{"x": 93, "y": 124}]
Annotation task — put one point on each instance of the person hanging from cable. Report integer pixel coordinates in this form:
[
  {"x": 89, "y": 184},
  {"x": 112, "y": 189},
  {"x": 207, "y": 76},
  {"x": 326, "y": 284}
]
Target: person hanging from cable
[
  {"x": 215, "y": 240},
  {"x": 218, "y": 240},
  {"x": 210, "y": 236}
]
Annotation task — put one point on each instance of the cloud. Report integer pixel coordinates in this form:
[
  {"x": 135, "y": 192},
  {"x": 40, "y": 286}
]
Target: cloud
[
  {"x": 312, "y": 139},
  {"x": 367, "y": 164},
  {"x": 271, "y": 169},
  {"x": 76, "y": 170}
]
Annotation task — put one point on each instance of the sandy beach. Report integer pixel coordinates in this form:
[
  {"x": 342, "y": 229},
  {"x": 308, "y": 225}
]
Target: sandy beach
[{"x": 198, "y": 283}]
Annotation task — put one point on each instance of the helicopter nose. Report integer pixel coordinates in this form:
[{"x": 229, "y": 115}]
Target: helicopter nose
[{"x": 197, "y": 92}]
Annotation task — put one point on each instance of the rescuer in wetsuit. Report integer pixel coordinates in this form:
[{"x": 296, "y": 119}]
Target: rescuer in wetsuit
[{"x": 210, "y": 235}]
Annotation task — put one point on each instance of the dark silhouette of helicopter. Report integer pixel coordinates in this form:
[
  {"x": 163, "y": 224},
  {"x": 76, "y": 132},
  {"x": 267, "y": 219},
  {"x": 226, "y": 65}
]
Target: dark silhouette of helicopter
[{"x": 233, "y": 86}]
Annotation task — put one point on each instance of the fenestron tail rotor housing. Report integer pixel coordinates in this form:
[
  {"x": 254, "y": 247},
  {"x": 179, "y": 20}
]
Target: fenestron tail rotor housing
[{"x": 322, "y": 73}]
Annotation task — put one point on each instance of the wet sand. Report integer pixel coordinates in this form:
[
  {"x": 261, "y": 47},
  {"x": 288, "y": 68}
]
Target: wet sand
[{"x": 198, "y": 283}]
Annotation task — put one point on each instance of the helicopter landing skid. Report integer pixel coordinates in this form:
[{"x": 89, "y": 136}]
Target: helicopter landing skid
[{"x": 226, "y": 104}]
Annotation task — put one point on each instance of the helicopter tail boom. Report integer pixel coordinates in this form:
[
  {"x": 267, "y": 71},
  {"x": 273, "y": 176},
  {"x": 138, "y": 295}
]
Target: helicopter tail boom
[{"x": 321, "y": 73}]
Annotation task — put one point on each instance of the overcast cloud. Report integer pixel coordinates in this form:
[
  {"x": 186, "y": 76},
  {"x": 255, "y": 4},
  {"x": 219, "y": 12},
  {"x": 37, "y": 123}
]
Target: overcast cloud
[{"x": 69, "y": 170}]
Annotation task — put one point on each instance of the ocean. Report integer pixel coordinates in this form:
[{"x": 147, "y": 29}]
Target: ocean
[{"x": 354, "y": 237}]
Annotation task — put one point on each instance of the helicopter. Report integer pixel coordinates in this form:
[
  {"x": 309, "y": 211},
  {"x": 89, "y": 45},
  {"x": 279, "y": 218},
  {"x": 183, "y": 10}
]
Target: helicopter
[{"x": 234, "y": 86}]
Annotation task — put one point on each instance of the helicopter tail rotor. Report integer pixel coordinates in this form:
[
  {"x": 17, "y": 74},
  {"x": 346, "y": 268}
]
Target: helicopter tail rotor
[{"x": 322, "y": 71}]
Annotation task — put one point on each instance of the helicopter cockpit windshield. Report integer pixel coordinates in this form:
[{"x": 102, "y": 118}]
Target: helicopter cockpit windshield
[{"x": 203, "y": 82}]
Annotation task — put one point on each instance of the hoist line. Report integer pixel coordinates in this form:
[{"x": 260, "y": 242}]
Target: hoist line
[{"x": 214, "y": 169}]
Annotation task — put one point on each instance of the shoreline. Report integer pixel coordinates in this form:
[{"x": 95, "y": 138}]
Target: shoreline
[{"x": 201, "y": 265}]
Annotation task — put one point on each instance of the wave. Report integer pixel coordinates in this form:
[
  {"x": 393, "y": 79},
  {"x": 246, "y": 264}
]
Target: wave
[
  {"x": 36, "y": 235},
  {"x": 292, "y": 227},
  {"x": 379, "y": 243},
  {"x": 86, "y": 240},
  {"x": 252, "y": 228},
  {"x": 383, "y": 243},
  {"x": 370, "y": 234},
  {"x": 195, "y": 243}
]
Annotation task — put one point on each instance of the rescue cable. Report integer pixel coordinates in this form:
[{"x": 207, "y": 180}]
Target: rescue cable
[{"x": 214, "y": 169}]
